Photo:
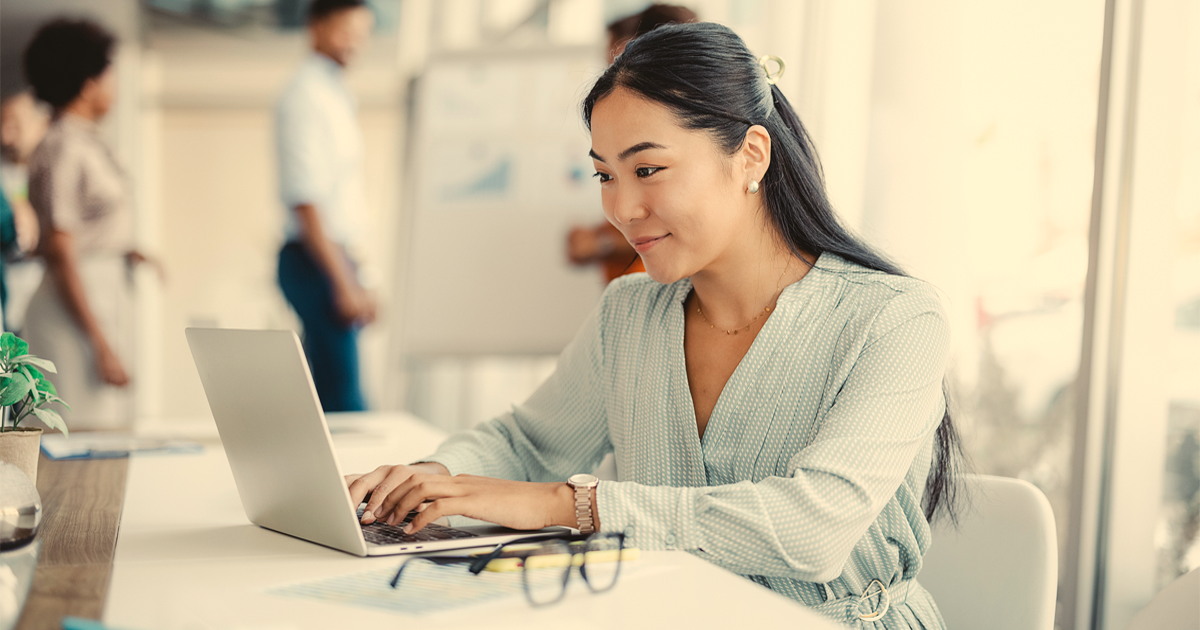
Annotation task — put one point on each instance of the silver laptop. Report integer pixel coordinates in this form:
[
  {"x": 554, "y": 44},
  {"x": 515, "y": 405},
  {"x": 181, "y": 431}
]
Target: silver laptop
[{"x": 279, "y": 448}]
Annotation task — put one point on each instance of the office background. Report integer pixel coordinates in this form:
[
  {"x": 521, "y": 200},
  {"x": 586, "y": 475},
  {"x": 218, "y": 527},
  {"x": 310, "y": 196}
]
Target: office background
[{"x": 1037, "y": 161}]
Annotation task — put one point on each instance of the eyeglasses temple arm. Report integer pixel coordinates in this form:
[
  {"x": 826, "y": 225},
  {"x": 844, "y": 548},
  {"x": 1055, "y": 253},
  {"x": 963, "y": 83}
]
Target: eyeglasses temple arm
[{"x": 481, "y": 562}]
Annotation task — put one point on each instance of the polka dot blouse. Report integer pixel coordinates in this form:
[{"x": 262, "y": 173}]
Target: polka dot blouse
[{"x": 810, "y": 476}]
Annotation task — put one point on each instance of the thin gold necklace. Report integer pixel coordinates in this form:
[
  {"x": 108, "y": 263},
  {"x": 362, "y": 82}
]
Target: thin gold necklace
[
  {"x": 734, "y": 331},
  {"x": 768, "y": 309}
]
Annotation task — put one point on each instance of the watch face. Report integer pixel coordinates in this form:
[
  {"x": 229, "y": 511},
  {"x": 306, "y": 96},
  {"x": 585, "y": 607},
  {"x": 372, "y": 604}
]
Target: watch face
[{"x": 582, "y": 479}]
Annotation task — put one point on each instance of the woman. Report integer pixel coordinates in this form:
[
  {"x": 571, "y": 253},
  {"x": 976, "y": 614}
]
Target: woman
[
  {"x": 816, "y": 364},
  {"x": 81, "y": 196}
]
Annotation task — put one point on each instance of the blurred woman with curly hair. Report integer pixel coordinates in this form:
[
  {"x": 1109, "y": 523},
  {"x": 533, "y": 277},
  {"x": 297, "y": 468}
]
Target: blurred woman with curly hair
[{"x": 81, "y": 194}]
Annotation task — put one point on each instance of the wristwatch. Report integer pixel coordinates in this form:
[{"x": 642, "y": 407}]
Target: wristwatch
[{"x": 583, "y": 484}]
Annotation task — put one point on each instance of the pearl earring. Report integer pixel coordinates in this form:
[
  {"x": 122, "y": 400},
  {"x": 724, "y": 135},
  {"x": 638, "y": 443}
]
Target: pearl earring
[{"x": 753, "y": 187}]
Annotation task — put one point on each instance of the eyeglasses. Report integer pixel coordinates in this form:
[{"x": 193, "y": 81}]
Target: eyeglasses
[{"x": 545, "y": 563}]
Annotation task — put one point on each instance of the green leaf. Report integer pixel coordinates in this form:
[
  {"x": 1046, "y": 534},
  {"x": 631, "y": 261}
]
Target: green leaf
[
  {"x": 51, "y": 399},
  {"x": 14, "y": 388},
  {"x": 43, "y": 384},
  {"x": 29, "y": 359},
  {"x": 12, "y": 346},
  {"x": 33, "y": 375},
  {"x": 52, "y": 419}
]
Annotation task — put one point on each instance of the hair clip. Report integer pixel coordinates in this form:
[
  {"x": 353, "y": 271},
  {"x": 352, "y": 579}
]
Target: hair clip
[{"x": 772, "y": 77}]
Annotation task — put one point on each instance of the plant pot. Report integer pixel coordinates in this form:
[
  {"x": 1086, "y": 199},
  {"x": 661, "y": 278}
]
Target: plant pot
[{"x": 20, "y": 447}]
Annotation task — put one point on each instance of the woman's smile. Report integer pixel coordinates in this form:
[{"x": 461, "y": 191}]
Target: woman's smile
[{"x": 644, "y": 244}]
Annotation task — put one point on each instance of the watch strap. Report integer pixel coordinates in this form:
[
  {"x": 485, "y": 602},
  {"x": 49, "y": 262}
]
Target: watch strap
[{"x": 583, "y": 509}]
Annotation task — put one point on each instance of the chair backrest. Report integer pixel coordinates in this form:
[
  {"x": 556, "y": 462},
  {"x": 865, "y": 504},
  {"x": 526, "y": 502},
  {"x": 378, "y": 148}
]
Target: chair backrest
[
  {"x": 998, "y": 570},
  {"x": 1176, "y": 607}
]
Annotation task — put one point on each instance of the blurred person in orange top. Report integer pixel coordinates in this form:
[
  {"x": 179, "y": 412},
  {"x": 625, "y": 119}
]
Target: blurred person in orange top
[{"x": 602, "y": 244}]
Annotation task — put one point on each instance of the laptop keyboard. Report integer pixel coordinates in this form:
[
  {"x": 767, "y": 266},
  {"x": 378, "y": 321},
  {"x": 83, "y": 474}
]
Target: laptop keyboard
[{"x": 381, "y": 533}]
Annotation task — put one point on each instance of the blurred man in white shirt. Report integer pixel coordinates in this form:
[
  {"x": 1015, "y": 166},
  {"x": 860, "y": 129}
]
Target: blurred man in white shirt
[{"x": 320, "y": 184}]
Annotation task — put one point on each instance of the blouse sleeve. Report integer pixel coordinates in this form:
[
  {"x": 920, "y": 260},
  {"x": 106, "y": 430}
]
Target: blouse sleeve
[
  {"x": 804, "y": 526},
  {"x": 56, "y": 190},
  {"x": 561, "y": 430}
]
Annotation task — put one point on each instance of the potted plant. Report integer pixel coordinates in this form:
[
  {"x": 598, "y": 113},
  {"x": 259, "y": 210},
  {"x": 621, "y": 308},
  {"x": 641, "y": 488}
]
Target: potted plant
[{"x": 24, "y": 392}]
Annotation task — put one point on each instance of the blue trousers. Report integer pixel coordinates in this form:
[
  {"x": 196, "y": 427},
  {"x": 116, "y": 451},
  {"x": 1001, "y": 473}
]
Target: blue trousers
[{"x": 331, "y": 345}]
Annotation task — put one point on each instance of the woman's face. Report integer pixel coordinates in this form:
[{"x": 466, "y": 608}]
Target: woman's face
[{"x": 669, "y": 190}]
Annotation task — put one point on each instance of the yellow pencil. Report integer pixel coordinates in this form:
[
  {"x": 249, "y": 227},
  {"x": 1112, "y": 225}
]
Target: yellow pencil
[{"x": 559, "y": 560}]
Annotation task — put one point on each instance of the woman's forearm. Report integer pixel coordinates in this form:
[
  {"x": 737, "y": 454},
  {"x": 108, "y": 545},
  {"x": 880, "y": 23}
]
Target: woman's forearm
[
  {"x": 430, "y": 468},
  {"x": 63, "y": 265}
]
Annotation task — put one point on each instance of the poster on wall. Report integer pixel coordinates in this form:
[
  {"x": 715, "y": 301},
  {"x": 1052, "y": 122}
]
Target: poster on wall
[{"x": 500, "y": 172}]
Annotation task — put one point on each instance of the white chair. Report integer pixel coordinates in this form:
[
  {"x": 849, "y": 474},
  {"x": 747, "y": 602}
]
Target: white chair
[
  {"x": 999, "y": 569},
  {"x": 1176, "y": 607}
]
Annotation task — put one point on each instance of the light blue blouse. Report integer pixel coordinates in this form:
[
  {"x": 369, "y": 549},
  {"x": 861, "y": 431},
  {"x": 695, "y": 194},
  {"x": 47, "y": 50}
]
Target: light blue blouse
[{"x": 810, "y": 476}]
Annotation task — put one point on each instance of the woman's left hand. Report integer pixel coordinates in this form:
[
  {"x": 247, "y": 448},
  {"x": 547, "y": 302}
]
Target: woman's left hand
[{"x": 515, "y": 504}]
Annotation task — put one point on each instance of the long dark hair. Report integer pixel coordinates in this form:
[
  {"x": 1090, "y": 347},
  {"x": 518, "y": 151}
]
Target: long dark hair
[{"x": 704, "y": 74}]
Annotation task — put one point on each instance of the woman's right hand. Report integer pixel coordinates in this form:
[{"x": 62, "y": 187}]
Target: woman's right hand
[
  {"x": 380, "y": 482},
  {"x": 109, "y": 368}
]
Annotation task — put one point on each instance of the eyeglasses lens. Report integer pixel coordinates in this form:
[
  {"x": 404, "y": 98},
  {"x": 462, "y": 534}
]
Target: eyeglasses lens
[
  {"x": 602, "y": 562},
  {"x": 546, "y": 571}
]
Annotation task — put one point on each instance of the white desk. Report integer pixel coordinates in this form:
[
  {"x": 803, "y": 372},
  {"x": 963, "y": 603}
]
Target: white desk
[{"x": 187, "y": 559}]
